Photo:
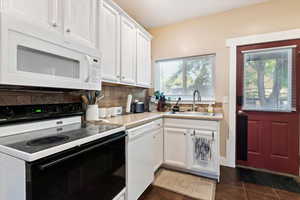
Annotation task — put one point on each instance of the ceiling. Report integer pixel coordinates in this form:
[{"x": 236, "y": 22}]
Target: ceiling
[{"x": 154, "y": 13}]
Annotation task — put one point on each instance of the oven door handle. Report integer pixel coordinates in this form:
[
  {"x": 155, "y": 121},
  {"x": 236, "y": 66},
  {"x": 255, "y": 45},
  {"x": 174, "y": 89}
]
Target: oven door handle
[{"x": 60, "y": 160}]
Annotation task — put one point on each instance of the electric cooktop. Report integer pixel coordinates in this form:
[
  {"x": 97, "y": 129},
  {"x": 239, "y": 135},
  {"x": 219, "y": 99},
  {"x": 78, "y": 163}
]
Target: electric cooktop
[{"x": 35, "y": 141}]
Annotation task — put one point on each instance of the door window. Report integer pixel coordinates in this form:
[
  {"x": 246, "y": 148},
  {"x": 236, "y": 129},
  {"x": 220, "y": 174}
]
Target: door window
[{"x": 268, "y": 80}]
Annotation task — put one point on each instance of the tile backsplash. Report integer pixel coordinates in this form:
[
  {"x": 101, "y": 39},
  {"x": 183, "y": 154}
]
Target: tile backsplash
[
  {"x": 114, "y": 96},
  {"x": 25, "y": 96},
  {"x": 117, "y": 95}
]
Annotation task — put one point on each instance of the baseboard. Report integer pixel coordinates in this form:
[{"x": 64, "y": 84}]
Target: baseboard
[{"x": 224, "y": 162}]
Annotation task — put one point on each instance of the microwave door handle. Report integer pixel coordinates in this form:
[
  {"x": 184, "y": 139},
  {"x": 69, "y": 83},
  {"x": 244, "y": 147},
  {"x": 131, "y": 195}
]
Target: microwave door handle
[
  {"x": 90, "y": 63},
  {"x": 63, "y": 159}
]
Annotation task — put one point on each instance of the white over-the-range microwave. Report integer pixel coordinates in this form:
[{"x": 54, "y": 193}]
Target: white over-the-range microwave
[{"x": 30, "y": 58}]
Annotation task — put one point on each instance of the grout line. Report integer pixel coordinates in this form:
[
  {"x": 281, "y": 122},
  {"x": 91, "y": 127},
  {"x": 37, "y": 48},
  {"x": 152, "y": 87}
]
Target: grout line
[
  {"x": 276, "y": 193},
  {"x": 245, "y": 192}
]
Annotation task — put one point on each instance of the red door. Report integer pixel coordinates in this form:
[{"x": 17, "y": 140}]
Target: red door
[{"x": 267, "y": 93}]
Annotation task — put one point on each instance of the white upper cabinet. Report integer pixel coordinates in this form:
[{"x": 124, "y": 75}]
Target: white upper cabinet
[
  {"x": 71, "y": 23},
  {"x": 110, "y": 42},
  {"x": 128, "y": 51},
  {"x": 80, "y": 21},
  {"x": 99, "y": 28},
  {"x": 143, "y": 59},
  {"x": 46, "y": 13}
]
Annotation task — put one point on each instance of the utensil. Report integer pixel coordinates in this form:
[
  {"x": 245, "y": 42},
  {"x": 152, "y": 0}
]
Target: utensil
[
  {"x": 85, "y": 99},
  {"x": 129, "y": 100},
  {"x": 98, "y": 97},
  {"x": 90, "y": 98}
]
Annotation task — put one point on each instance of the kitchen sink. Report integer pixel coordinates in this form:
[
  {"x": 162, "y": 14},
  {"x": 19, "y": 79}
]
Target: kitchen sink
[{"x": 191, "y": 113}]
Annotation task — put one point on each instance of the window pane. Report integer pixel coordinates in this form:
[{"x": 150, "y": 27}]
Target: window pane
[
  {"x": 171, "y": 77},
  {"x": 199, "y": 73},
  {"x": 268, "y": 80},
  {"x": 180, "y": 77}
]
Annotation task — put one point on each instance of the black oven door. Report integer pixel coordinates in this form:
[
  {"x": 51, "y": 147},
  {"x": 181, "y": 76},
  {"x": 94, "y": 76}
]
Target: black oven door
[{"x": 95, "y": 171}]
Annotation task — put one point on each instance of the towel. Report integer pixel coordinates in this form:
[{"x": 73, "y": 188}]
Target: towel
[{"x": 202, "y": 149}]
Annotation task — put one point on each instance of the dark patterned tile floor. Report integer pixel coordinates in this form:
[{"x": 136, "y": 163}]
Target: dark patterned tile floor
[{"x": 240, "y": 184}]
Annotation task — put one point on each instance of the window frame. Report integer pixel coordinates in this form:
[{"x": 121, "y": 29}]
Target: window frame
[{"x": 188, "y": 100}]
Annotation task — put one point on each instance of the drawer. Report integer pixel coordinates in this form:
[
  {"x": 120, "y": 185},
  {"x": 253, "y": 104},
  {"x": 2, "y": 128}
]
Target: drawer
[{"x": 192, "y": 123}]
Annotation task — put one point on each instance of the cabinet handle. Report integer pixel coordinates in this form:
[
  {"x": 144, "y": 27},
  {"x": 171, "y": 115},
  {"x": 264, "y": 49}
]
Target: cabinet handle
[{"x": 54, "y": 24}]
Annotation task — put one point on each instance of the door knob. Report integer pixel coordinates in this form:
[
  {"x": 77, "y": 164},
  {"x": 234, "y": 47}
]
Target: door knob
[{"x": 240, "y": 112}]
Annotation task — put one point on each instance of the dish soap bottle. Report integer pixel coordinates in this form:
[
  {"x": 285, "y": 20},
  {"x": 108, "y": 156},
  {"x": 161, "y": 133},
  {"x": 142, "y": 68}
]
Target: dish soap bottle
[{"x": 210, "y": 109}]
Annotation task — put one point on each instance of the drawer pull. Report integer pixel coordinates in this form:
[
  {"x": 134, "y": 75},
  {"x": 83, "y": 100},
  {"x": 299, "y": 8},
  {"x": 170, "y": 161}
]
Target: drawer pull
[{"x": 59, "y": 122}]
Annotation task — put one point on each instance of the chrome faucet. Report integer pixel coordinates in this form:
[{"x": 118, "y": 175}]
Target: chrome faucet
[{"x": 194, "y": 99}]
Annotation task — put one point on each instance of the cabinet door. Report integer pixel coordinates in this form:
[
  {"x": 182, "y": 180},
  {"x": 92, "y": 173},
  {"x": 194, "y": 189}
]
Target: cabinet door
[
  {"x": 80, "y": 21},
  {"x": 203, "y": 151},
  {"x": 175, "y": 147},
  {"x": 158, "y": 138},
  {"x": 110, "y": 42},
  {"x": 45, "y": 13},
  {"x": 143, "y": 59},
  {"x": 128, "y": 51}
]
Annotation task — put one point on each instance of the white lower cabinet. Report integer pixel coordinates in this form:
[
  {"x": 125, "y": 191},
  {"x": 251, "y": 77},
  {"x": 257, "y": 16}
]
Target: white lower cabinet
[
  {"x": 175, "y": 145},
  {"x": 193, "y": 146},
  {"x": 158, "y": 145},
  {"x": 208, "y": 160},
  {"x": 183, "y": 144}
]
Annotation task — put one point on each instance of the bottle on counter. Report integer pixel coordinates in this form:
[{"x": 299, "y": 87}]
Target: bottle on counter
[{"x": 210, "y": 109}]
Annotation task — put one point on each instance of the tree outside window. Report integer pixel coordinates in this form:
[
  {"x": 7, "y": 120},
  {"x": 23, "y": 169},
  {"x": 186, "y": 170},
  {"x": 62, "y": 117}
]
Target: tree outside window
[
  {"x": 268, "y": 80},
  {"x": 180, "y": 77}
]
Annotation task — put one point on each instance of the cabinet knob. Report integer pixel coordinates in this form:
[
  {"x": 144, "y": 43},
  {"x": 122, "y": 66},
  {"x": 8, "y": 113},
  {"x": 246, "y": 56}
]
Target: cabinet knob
[
  {"x": 68, "y": 30},
  {"x": 54, "y": 24},
  {"x": 118, "y": 76},
  {"x": 123, "y": 77}
]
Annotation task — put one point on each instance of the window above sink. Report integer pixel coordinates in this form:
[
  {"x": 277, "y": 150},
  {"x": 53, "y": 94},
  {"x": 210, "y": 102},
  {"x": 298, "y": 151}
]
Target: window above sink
[{"x": 179, "y": 77}]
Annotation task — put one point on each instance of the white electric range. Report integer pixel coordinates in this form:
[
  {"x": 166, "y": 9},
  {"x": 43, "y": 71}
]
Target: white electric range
[{"x": 58, "y": 156}]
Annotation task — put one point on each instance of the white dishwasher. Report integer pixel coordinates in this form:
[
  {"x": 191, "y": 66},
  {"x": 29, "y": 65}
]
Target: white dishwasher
[{"x": 139, "y": 160}]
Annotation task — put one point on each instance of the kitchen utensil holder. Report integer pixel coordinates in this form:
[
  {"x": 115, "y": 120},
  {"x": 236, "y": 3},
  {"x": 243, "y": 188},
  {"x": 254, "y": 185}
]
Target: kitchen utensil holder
[{"x": 92, "y": 113}]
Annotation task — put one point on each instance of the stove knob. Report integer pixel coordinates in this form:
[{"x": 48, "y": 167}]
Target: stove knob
[{"x": 7, "y": 112}]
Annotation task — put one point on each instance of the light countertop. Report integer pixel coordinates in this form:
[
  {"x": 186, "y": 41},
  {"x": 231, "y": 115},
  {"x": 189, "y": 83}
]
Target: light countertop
[{"x": 133, "y": 120}]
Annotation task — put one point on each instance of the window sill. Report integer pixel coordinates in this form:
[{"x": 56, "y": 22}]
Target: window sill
[{"x": 191, "y": 102}]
